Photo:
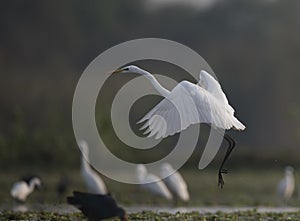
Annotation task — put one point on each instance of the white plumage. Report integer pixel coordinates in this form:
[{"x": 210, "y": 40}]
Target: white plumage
[
  {"x": 186, "y": 104},
  {"x": 189, "y": 104},
  {"x": 175, "y": 182},
  {"x": 149, "y": 182},
  {"x": 21, "y": 189},
  {"x": 92, "y": 180},
  {"x": 286, "y": 186}
]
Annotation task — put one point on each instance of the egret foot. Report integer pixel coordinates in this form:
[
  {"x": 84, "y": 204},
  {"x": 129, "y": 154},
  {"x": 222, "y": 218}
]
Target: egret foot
[{"x": 220, "y": 179}]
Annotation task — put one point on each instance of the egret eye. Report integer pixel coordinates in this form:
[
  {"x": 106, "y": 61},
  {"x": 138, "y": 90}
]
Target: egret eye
[{"x": 126, "y": 69}]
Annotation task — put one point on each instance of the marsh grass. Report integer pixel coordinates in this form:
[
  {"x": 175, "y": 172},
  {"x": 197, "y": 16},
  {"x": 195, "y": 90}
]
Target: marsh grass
[{"x": 149, "y": 215}]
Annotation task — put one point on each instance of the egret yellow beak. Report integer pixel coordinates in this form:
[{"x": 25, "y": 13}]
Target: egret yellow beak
[{"x": 117, "y": 71}]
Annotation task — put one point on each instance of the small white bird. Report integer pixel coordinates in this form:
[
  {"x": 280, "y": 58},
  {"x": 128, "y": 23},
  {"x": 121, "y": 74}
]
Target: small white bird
[
  {"x": 286, "y": 186},
  {"x": 175, "y": 182},
  {"x": 21, "y": 189},
  {"x": 149, "y": 182},
  {"x": 92, "y": 180}
]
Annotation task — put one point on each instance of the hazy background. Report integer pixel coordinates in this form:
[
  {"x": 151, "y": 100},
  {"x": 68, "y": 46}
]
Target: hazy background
[{"x": 253, "y": 47}]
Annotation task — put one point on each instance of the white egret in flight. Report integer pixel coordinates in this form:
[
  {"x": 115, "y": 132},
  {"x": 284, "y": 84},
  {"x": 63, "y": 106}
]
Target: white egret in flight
[
  {"x": 152, "y": 183},
  {"x": 92, "y": 180},
  {"x": 175, "y": 182},
  {"x": 286, "y": 186},
  {"x": 188, "y": 104}
]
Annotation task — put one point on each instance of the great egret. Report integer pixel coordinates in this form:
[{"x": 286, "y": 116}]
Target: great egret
[
  {"x": 286, "y": 186},
  {"x": 175, "y": 182},
  {"x": 21, "y": 189},
  {"x": 92, "y": 180},
  {"x": 97, "y": 206},
  {"x": 150, "y": 183},
  {"x": 188, "y": 104}
]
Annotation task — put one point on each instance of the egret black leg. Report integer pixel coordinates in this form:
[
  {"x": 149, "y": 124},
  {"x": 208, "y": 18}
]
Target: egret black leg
[{"x": 231, "y": 145}]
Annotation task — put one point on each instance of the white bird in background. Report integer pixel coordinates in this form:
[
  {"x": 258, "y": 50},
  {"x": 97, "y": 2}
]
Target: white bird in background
[
  {"x": 286, "y": 186},
  {"x": 175, "y": 182},
  {"x": 188, "y": 104},
  {"x": 92, "y": 180},
  {"x": 150, "y": 183},
  {"x": 21, "y": 189}
]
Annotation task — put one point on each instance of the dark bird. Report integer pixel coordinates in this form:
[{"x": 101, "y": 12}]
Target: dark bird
[
  {"x": 63, "y": 185},
  {"x": 96, "y": 206}
]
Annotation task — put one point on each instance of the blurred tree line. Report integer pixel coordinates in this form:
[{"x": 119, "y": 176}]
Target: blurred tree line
[{"x": 253, "y": 47}]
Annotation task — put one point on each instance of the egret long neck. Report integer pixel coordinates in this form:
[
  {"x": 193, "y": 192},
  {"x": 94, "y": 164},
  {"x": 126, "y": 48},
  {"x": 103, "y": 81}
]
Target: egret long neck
[
  {"x": 84, "y": 164},
  {"x": 31, "y": 186},
  {"x": 290, "y": 178},
  {"x": 163, "y": 91}
]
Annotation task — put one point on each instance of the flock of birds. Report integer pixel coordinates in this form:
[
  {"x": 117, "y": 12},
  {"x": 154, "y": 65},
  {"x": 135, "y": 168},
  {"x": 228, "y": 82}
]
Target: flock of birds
[
  {"x": 98, "y": 204},
  {"x": 204, "y": 102},
  {"x": 99, "y": 199},
  {"x": 172, "y": 187}
]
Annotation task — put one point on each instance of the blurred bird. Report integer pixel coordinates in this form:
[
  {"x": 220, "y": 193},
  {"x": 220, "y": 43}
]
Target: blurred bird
[
  {"x": 187, "y": 104},
  {"x": 97, "y": 206},
  {"x": 149, "y": 182},
  {"x": 21, "y": 189},
  {"x": 175, "y": 182},
  {"x": 286, "y": 186},
  {"x": 92, "y": 180},
  {"x": 62, "y": 186}
]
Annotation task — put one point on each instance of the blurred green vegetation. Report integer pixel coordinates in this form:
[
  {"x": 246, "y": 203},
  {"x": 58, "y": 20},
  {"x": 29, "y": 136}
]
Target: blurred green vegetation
[{"x": 253, "y": 47}]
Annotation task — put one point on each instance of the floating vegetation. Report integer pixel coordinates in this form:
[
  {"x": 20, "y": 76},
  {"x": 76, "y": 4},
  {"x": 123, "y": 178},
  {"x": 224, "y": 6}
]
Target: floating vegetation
[
  {"x": 162, "y": 216},
  {"x": 38, "y": 216}
]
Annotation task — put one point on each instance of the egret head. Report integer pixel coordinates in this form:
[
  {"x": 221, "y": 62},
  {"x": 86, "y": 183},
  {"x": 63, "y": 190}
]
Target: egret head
[
  {"x": 141, "y": 172},
  {"x": 166, "y": 170},
  {"x": 289, "y": 170},
  {"x": 130, "y": 69},
  {"x": 166, "y": 167},
  {"x": 36, "y": 182},
  {"x": 84, "y": 147}
]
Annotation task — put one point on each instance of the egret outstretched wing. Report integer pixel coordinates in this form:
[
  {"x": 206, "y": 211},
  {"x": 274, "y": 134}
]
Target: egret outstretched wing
[{"x": 190, "y": 104}]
